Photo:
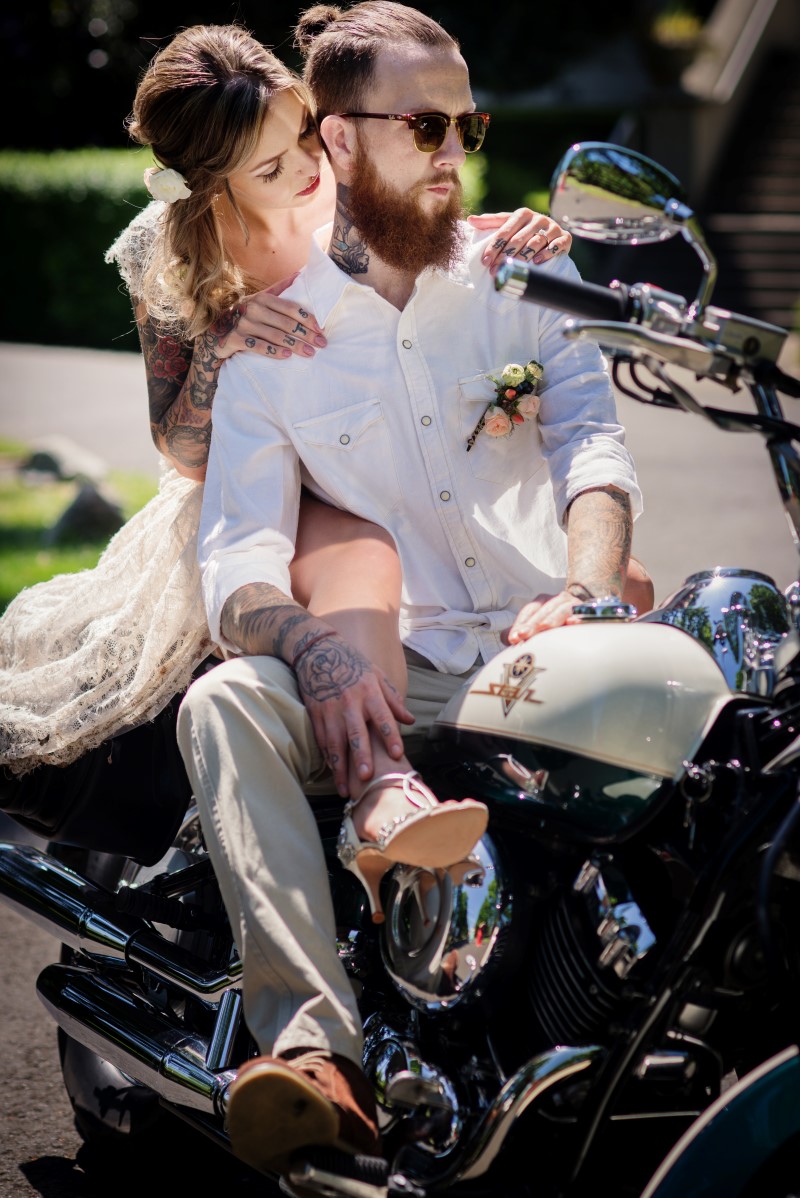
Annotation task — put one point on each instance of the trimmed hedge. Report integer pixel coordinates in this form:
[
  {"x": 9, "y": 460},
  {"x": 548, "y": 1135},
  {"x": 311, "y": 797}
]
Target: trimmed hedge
[{"x": 61, "y": 211}]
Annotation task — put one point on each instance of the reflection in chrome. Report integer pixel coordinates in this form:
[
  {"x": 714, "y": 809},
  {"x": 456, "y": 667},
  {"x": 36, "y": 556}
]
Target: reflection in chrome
[
  {"x": 442, "y": 928},
  {"x": 63, "y": 903},
  {"x": 624, "y": 933},
  {"x": 609, "y": 193},
  {"x": 406, "y": 1086},
  {"x": 536, "y": 1079},
  {"x": 530, "y": 782},
  {"x": 739, "y": 616}
]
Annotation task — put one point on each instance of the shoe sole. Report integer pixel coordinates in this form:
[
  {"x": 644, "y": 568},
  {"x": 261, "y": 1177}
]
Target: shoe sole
[
  {"x": 419, "y": 841},
  {"x": 273, "y": 1111}
]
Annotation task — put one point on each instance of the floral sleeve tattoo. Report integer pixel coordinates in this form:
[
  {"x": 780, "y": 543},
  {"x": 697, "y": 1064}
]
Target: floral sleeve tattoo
[{"x": 181, "y": 382}]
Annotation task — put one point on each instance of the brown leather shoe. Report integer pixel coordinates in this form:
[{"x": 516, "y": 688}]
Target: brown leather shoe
[{"x": 277, "y": 1105}]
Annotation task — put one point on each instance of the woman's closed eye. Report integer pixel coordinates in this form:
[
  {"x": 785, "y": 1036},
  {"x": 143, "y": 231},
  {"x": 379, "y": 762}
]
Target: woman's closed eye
[{"x": 309, "y": 130}]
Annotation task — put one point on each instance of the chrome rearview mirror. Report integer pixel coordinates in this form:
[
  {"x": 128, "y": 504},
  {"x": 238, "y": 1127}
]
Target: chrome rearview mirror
[{"x": 609, "y": 193}]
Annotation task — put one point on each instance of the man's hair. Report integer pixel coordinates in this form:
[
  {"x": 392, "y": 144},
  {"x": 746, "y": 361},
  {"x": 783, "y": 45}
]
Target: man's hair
[{"x": 340, "y": 46}]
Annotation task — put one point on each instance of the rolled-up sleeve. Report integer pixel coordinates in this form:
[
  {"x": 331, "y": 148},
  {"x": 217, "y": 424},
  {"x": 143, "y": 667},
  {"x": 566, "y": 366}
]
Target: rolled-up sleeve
[
  {"x": 582, "y": 439},
  {"x": 248, "y": 522}
]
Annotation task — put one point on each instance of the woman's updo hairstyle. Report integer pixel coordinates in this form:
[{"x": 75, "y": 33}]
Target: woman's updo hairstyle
[
  {"x": 339, "y": 47},
  {"x": 200, "y": 107}
]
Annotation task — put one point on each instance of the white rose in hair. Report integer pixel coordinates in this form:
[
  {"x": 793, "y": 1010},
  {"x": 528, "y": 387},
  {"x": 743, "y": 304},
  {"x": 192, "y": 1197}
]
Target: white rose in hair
[{"x": 167, "y": 185}]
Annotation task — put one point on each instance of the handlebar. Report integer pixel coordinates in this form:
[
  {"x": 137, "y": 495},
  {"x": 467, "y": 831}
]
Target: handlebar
[
  {"x": 588, "y": 300},
  {"x": 639, "y": 320}
]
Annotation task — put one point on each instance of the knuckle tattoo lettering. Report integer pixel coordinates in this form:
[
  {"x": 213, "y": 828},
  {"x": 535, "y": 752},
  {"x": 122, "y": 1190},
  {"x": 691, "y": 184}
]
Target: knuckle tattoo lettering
[
  {"x": 249, "y": 342},
  {"x": 290, "y": 340}
]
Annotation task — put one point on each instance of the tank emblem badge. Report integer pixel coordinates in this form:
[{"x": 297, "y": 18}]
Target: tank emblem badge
[{"x": 515, "y": 686}]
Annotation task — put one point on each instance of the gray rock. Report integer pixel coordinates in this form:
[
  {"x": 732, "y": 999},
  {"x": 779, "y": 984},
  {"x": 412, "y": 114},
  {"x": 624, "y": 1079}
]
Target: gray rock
[
  {"x": 64, "y": 459},
  {"x": 90, "y": 517}
]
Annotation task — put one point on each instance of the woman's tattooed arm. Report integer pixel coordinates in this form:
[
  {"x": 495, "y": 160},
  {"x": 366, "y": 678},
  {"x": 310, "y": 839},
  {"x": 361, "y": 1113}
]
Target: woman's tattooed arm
[{"x": 181, "y": 382}]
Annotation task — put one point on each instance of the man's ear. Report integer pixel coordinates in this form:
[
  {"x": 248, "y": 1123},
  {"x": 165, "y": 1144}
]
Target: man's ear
[{"x": 339, "y": 137}]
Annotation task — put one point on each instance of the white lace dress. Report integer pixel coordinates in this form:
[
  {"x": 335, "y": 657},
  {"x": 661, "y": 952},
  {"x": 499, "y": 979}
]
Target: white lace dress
[{"x": 84, "y": 656}]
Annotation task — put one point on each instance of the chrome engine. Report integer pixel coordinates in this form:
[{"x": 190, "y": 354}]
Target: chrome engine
[{"x": 447, "y": 933}]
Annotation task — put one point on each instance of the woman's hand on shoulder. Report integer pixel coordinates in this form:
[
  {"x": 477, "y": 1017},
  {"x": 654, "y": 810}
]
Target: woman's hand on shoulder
[
  {"x": 268, "y": 325},
  {"x": 524, "y": 234}
]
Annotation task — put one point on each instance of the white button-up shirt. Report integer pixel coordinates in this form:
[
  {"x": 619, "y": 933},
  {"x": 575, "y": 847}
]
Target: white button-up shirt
[{"x": 377, "y": 423}]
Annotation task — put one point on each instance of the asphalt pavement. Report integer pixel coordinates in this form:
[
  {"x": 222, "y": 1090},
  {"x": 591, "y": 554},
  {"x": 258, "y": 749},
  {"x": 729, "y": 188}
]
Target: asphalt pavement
[{"x": 710, "y": 498}]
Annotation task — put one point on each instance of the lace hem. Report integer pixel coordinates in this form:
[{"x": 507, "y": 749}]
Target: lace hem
[{"x": 84, "y": 656}]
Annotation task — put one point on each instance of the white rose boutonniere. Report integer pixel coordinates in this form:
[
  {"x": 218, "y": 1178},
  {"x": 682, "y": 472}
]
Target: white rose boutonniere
[
  {"x": 167, "y": 185},
  {"x": 515, "y": 400}
]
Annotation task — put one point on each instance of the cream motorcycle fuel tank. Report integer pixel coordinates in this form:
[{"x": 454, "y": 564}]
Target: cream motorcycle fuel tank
[{"x": 592, "y": 722}]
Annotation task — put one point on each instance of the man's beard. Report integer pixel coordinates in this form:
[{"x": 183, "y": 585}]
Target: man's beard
[{"x": 394, "y": 225}]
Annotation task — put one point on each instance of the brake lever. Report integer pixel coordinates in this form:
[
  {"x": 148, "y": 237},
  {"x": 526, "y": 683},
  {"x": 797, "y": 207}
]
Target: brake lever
[{"x": 675, "y": 351}]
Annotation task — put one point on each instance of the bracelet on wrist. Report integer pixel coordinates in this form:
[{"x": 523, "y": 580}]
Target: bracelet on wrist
[{"x": 309, "y": 645}]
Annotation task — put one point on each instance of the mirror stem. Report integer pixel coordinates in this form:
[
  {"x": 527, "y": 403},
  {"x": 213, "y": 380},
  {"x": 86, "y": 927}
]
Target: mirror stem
[{"x": 694, "y": 235}]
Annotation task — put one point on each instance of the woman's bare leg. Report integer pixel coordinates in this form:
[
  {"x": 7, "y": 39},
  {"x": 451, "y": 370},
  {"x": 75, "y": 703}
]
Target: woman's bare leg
[
  {"x": 346, "y": 570},
  {"x": 639, "y": 588}
]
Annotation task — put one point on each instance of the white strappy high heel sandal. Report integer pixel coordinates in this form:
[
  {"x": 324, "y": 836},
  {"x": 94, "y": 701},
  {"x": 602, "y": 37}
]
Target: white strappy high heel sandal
[{"x": 433, "y": 836}]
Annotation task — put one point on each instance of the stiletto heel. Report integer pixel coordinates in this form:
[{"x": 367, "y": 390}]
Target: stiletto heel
[
  {"x": 363, "y": 865},
  {"x": 435, "y": 836}
]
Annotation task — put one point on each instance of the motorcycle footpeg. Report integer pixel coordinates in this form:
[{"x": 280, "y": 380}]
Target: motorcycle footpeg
[{"x": 328, "y": 1173}]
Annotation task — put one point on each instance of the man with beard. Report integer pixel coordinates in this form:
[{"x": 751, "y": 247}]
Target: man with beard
[{"x": 498, "y": 536}]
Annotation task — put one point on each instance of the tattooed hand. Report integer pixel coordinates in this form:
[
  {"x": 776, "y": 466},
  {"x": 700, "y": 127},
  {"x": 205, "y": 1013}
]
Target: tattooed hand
[
  {"x": 524, "y": 234},
  {"x": 345, "y": 695},
  {"x": 266, "y": 324}
]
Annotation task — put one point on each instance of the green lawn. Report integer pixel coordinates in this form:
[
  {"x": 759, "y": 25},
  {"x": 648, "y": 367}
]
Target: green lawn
[{"x": 28, "y": 509}]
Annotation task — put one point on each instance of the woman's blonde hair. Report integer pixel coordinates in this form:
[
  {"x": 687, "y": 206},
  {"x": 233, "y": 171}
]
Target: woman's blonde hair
[{"x": 200, "y": 106}]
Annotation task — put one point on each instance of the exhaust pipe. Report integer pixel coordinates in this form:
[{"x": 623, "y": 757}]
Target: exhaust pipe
[
  {"x": 82, "y": 915},
  {"x": 134, "y": 1037}
]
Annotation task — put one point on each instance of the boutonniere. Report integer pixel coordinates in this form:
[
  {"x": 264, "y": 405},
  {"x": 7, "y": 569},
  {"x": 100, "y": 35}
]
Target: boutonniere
[{"x": 515, "y": 400}]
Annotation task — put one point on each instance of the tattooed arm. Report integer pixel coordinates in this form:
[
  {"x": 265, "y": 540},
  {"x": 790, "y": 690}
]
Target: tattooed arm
[
  {"x": 344, "y": 694},
  {"x": 599, "y": 532},
  {"x": 181, "y": 381},
  {"x": 182, "y": 376}
]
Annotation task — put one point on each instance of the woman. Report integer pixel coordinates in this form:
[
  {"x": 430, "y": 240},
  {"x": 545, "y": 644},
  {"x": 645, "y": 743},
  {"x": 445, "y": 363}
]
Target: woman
[{"x": 87, "y": 656}]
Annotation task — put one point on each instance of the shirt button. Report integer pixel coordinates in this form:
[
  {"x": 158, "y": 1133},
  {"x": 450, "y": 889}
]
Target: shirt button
[
  {"x": 344, "y": 439},
  {"x": 445, "y": 495},
  {"x": 425, "y": 420},
  {"x": 469, "y": 561},
  {"x": 406, "y": 344}
]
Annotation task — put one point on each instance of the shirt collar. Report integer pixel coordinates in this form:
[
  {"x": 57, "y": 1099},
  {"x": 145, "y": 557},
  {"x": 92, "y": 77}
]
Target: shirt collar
[{"x": 327, "y": 283}]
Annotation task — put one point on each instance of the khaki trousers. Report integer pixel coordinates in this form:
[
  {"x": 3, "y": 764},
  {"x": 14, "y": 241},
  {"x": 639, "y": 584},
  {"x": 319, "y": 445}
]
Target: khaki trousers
[{"x": 250, "y": 753}]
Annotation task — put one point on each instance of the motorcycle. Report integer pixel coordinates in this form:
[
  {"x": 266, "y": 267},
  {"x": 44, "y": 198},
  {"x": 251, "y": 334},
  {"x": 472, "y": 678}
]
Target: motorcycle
[{"x": 606, "y": 992}]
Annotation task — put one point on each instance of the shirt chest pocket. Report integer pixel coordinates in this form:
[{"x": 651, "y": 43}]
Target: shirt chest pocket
[
  {"x": 349, "y": 452},
  {"x": 506, "y": 460}
]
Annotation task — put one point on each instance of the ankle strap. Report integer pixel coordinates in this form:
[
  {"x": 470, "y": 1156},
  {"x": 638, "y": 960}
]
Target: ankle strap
[{"x": 410, "y": 782}]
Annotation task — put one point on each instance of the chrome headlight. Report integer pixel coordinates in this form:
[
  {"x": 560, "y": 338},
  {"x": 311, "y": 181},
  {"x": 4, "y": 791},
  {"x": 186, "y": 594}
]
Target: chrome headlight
[{"x": 444, "y": 928}]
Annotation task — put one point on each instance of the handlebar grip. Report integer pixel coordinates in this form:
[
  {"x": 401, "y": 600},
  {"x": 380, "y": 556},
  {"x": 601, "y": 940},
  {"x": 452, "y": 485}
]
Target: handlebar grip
[{"x": 587, "y": 300}]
